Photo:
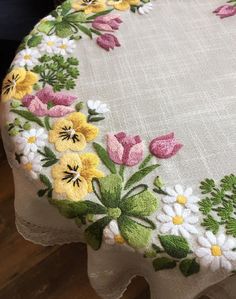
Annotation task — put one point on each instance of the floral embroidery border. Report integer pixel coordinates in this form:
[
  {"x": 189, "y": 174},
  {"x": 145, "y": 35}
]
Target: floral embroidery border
[{"x": 124, "y": 211}]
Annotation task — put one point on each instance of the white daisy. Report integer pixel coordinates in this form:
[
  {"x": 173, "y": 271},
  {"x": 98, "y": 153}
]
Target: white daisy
[
  {"x": 30, "y": 141},
  {"x": 216, "y": 251},
  {"x": 49, "y": 44},
  {"x": 182, "y": 196},
  {"x": 32, "y": 164},
  {"x": 97, "y": 106},
  {"x": 145, "y": 8},
  {"x": 111, "y": 234},
  {"x": 177, "y": 221},
  {"x": 65, "y": 46},
  {"x": 27, "y": 57}
]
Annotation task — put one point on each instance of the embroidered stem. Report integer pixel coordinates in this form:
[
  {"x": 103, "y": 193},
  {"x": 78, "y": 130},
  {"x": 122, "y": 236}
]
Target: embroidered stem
[
  {"x": 145, "y": 161},
  {"x": 121, "y": 172}
]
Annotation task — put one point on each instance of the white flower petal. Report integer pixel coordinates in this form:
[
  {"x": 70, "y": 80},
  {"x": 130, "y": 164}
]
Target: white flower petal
[
  {"x": 192, "y": 220},
  {"x": 113, "y": 226},
  {"x": 175, "y": 230},
  {"x": 225, "y": 264},
  {"x": 230, "y": 255},
  {"x": 166, "y": 227},
  {"x": 168, "y": 199},
  {"x": 188, "y": 192},
  {"x": 221, "y": 239},
  {"x": 179, "y": 189},
  {"x": 163, "y": 218},
  {"x": 204, "y": 242},
  {"x": 190, "y": 228},
  {"x": 229, "y": 244},
  {"x": 184, "y": 232},
  {"x": 170, "y": 191},
  {"x": 211, "y": 237},
  {"x": 206, "y": 260},
  {"x": 202, "y": 251},
  {"x": 178, "y": 209},
  {"x": 215, "y": 264},
  {"x": 168, "y": 210},
  {"x": 192, "y": 207}
]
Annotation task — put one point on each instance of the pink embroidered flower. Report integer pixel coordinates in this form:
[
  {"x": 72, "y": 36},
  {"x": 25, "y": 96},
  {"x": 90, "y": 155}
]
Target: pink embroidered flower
[
  {"x": 225, "y": 11},
  {"x": 47, "y": 102},
  {"x": 108, "y": 41},
  {"x": 107, "y": 23},
  {"x": 165, "y": 146},
  {"x": 124, "y": 149}
]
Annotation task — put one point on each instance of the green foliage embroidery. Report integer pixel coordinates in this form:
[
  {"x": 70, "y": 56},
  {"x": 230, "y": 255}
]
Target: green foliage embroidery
[
  {"x": 49, "y": 157},
  {"x": 15, "y": 127},
  {"x": 163, "y": 263},
  {"x": 189, "y": 267},
  {"x": 28, "y": 116},
  {"x": 48, "y": 190},
  {"x": 57, "y": 71},
  {"x": 219, "y": 205},
  {"x": 175, "y": 246},
  {"x": 103, "y": 155}
]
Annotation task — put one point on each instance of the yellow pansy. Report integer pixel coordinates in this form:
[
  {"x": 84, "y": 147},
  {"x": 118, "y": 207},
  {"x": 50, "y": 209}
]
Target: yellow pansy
[
  {"x": 89, "y": 6},
  {"x": 18, "y": 83},
  {"x": 72, "y": 132},
  {"x": 123, "y": 4},
  {"x": 74, "y": 173}
]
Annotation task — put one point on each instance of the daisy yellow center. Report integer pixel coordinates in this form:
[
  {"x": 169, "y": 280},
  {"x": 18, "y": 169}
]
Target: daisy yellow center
[
  {"x": 119, "y": 239},
  {"x": 27, "y": 57},
  {"x": 31, "y": 139},
  {"x": 63, "y": 46},
  {"x": 216, "y": 250},
  {"x": 181, "y": 199},
  {"x": 28, "y": 166},
  {"x": 50, "y": 44},
  {"x": 177, "y": 220}
]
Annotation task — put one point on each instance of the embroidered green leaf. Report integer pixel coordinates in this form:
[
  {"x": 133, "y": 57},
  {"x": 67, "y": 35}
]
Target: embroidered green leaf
[
  {"x": 29, "y": 116},
  {"x": 94, "y": 233},
  {"x": 50, "y": 158},
  {"x": 142, "y": 204},
  {"x": 135, "y": 234},
  {"x": 110, "y": 190},
  {"x": 78, "y": 17},
  {"x": 189, "y": 267},
  {"x": 139, "y": 175},
  {"x": 217, "y": 196},
  {"x": 63, "y": 29},
  {"x": 47, "y": 123},
  {"x": 205, "y": 205},
  {"x": 103, "y": 155},
  {"x": 231, "y": 227},
  {"x": 207, "y": 186},
  {"x": 99, "y": 14},
  {"x": 225, "y": 211},
  {"x": 95, "y": 119},
  {"x": 146, "y": 161},
  {"x": 228, "y": 182},
  {"x": 34, "y": 41},
  {"x": 163, "y": 263},
  {"x": 72, "y": 209},
  {"x": 65, "y": 7},
  {"x": 46, "y": 26},
  {"x": 85, "y": 30},
  {"x": 42, "y": 192},
  {"x": 175, "y": 246},
  {"x": 45, "y": 180},
  {"x": 211, "y": 224}
]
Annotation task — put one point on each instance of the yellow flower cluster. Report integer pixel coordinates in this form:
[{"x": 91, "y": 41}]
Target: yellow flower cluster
[
  {"x": 95, "y": 6},
  {"x": 74, "y": 172}
]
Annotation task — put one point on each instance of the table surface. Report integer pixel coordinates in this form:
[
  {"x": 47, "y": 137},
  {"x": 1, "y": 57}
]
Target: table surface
[{"x": 32, "y": 271}]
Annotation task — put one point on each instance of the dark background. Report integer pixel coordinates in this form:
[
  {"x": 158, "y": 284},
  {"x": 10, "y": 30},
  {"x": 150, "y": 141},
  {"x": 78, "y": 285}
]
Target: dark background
[{"x": 17, "y": 19}]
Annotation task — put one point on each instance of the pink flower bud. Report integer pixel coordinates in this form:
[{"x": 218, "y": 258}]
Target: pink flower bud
[
  {"x": 165, "y": 146},
  {"x": 225, "y": 11},
  {"x": 107, "y": 23},
  {"x": 124, "y": 149},
  {"x": 108, "y": 41}
]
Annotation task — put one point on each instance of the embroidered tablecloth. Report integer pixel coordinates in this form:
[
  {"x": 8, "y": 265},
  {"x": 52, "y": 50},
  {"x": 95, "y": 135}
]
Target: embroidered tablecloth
[{"x": 119, "y": 121}]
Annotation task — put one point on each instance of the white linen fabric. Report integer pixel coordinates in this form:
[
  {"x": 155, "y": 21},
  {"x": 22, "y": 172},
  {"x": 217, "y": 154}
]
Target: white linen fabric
[{"x": 175, "y": 71}]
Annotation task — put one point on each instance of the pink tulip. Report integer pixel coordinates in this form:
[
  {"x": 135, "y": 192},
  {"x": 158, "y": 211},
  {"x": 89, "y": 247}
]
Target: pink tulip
[
  {"x": 108, "y": 41},
  {"x": 47, "y": 102},
  {"x": 164, "y": 147},
  {"x": 107, "y": 23},
  {"x": 225, "y": 11},
  {"x": 124, "y": 149}
]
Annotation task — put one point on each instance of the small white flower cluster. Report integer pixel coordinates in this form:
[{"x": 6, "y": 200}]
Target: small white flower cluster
[
  {"x": 145, "y": 8},
  {"x": 179, "y": 218},
  {"x": 49, "y": 45},
  {"x": 28, "y": 143}
]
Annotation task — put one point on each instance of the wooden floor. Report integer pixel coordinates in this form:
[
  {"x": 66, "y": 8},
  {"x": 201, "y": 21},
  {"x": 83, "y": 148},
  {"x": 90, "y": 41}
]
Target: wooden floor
[{"x": 29, "y": 271}]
